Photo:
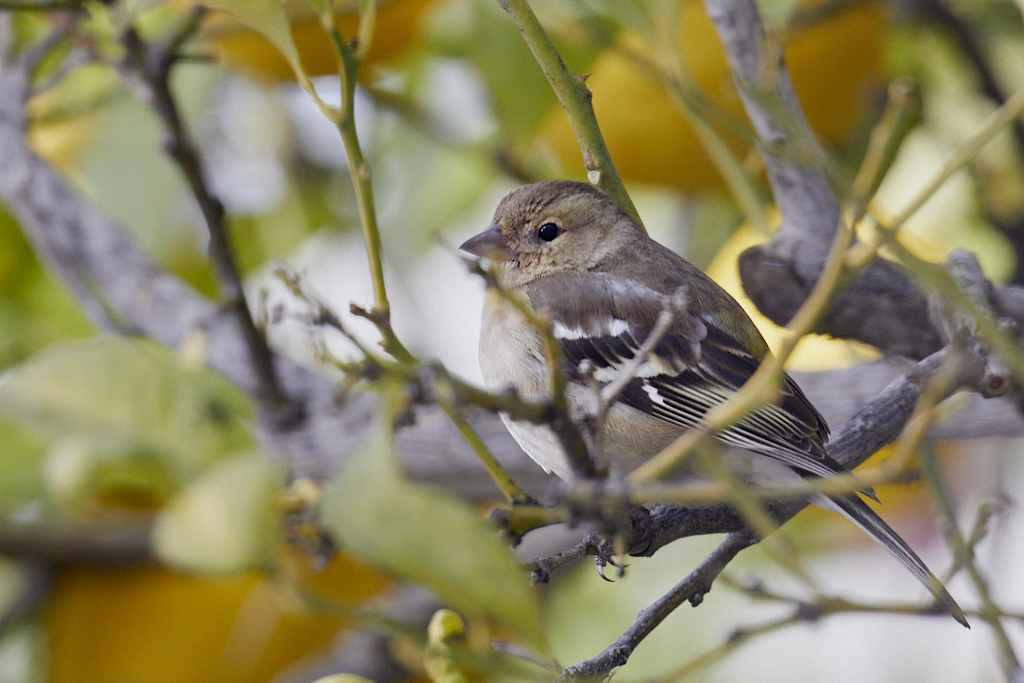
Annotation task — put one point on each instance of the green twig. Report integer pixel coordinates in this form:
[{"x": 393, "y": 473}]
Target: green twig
[
  {"x": 965, "y": 556},
  {"x": 764, "y": 385},
  {"x": 512, "y": 492},
  {"x": 576, "y": 98},
  {"x": 348, "y": 56},
  {"x": 522, "y": 519},
  {"x": 710, "y": 492}
]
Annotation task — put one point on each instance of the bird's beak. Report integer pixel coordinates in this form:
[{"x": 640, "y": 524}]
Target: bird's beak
[{"x": 489, "y": 244}]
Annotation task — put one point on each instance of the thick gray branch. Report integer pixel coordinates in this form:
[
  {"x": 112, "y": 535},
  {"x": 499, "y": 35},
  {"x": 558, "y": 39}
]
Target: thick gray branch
[
  {"x": 792, "y": 161},
  {"x": 883, "y": 306}
]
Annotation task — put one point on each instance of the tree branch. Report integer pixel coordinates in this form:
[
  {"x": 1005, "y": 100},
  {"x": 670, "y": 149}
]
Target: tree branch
[
  {"x": 693, "y": 589},
  {"x": 75, "y": 543},
  {"x": 348, "y": 57},
  {"x": 153, "y": 64},
  {"x": 575, "y": 97}
]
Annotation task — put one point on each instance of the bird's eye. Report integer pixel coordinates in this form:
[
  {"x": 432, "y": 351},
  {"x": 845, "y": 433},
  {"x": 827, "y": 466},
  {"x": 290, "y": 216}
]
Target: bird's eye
[{"x": 548, "y": 232}]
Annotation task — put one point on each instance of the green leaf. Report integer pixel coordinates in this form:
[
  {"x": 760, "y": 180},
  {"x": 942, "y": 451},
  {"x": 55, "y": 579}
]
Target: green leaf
[
  {"x": 428, "y": 537},
  {"x": 125, "y": 415},
  {"x": 107, "y": 470},
  {"x": 270, "y": 19},
  {"x": 225, "y": 521},
  {"x": 21, "y": 458},
  {"x": 481, "y": 32}
]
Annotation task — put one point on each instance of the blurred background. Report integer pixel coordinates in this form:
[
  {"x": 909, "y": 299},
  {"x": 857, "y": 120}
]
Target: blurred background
[{"x": 454, "y": 113}]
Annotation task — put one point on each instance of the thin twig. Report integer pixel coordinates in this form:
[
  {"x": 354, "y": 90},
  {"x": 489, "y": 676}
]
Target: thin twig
[
  {"x": 965, "y": 556},
  {"x": 348, "y": 57},
  {"x": 446, "y": 399},
  {"x": 575, "y": 97},
  {"x": 154, "y": 64},
  {"x": 449, "y": 392},
  {"x": 610, "y": 392},
  {"x": 562, "y": 424},
  {"x": 693, "y": 589},
  {"x": 764, "y": 385},
  {"x": 698, "y": 492}
]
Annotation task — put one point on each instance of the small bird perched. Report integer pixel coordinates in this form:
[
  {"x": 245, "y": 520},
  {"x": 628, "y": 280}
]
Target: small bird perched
[{"x": 573, "y": 255}]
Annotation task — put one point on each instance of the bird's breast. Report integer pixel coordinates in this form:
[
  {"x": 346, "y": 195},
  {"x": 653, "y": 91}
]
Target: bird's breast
[{"x": 511, "y": 352}]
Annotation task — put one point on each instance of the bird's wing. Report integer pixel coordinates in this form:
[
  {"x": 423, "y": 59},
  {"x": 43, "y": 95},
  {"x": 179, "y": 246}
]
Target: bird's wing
[{"x": 695, "y": 367}]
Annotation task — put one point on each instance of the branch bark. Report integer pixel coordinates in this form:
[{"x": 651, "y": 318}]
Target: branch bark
[{"x": 882, "y": 306}]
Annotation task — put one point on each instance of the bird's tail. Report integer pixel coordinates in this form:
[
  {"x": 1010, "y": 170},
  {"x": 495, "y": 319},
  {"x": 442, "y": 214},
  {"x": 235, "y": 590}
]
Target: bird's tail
[{"x": 858, "y": 512}]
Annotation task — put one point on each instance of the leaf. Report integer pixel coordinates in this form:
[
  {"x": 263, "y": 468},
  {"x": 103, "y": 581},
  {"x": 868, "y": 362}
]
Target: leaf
[
  {"x": 270, "y": 19},
  {"x": 225, "y": 521},
  {"x": 110, "y": 472},
  {"x": 128, "y": 388},
  {"x": 20, "y": 464},
  {"x": 126, "y": 417},
  {"x": 481, "y": 32},
  {"x": 428, "y": 537}
]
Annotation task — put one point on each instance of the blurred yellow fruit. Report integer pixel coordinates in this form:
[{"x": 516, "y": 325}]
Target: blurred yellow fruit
[
  {"x": 239, "y": 48},
  {"x": 833, "y": 64},
  {"x": 815, "y": 351},
  {"x": 152, "y": 625}
]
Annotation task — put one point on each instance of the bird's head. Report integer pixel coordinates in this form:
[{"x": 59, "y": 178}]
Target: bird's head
[{"x": 552, "y": 227}]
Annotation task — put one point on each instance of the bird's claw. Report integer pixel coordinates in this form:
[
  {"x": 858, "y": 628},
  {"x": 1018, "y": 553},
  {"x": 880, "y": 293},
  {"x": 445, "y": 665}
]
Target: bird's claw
[
  {"x": 601, "y": 562},
  {"x": 604, "y": 555}
]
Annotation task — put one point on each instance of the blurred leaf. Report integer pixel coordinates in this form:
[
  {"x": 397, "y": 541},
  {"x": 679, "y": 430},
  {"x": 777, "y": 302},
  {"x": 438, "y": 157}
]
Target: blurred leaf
[
  {"x": 269, "y": 18},
  {"x": 21, "y": 457},
  {"x": 225, "y": 521},
  {"x": 478, "y": 30},
  {"x": 16, "y": 258},
  {"x": 22, "y": 648},
  {"x": 36, "y": 309},
  {"x": 271, "y": 234},
  {"x": 426, "y": 536},
  {"x": 126, "y": 411},
  {"x": 105, "y": 470},
  {"x": 82, "y": 90}
]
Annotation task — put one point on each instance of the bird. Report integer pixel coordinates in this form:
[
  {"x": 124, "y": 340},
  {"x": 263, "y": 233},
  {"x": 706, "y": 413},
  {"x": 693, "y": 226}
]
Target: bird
[{"x": 572, "y": 255}]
